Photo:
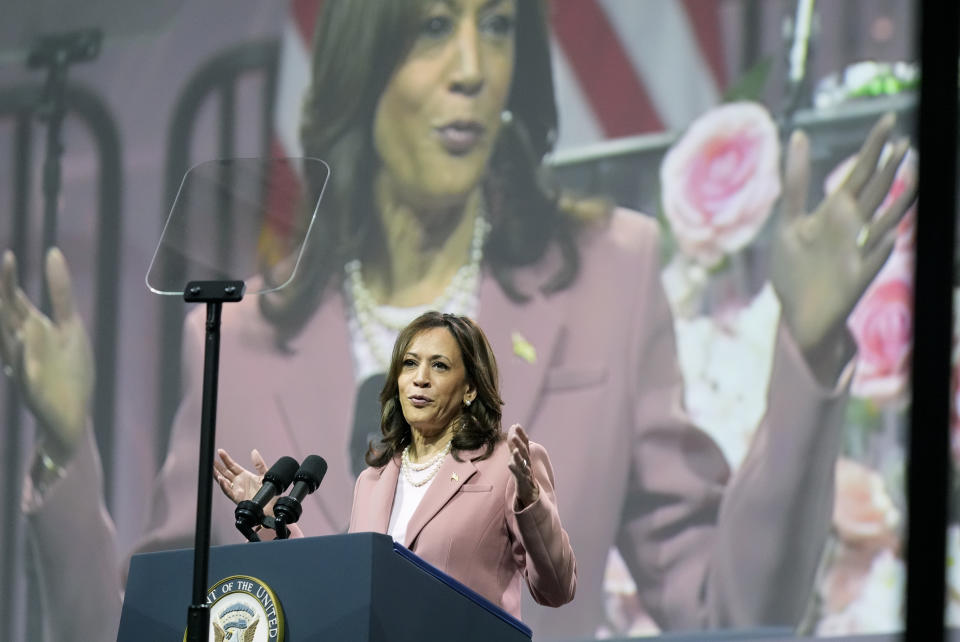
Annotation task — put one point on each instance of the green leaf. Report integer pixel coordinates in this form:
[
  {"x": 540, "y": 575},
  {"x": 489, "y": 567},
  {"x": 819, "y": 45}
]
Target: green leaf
[
  {"x": 751, "y": 84},
  {"x": 861, "y": 421},
  {"x": 668, "y": 244}
]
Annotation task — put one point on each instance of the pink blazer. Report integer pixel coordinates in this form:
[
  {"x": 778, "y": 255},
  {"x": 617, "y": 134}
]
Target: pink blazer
[
  {"x": 602, "y": 393},
  {"x": 467, "y": 527}
]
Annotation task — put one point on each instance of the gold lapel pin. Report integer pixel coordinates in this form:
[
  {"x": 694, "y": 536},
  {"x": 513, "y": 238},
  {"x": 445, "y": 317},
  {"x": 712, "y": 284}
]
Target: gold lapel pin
[
  {"x": 523, "y": 348},
  {"x": 454, "y": 477}
]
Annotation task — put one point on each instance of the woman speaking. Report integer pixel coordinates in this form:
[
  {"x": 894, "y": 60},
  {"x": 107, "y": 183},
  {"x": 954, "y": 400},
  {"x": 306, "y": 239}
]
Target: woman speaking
[{"x": 445, "y": 481}]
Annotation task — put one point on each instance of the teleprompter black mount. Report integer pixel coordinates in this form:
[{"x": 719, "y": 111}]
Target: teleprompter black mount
[{"x": 214, "y": 294}]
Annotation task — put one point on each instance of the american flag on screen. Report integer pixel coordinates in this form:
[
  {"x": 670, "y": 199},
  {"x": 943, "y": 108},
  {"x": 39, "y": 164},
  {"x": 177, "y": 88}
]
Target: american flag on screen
[{"x": 621, "y": 67}]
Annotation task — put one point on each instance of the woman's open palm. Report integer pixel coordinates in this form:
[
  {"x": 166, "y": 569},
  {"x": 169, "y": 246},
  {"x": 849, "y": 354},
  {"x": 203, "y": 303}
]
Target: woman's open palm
[
  {"x": 824, "y": 260},
  {"x": 235, "y": 481},
  {"x": 50, "y": 357}
]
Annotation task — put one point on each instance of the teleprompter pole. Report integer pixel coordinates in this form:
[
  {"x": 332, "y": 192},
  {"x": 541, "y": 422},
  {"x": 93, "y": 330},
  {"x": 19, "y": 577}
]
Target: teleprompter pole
[{"x": 214, "y": 294}]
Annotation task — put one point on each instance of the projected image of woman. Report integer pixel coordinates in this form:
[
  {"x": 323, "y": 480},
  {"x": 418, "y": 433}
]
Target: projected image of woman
[{"x": 435, "y": 118}]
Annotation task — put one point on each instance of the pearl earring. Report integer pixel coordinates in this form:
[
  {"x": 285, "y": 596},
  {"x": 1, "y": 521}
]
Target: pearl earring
[
  {"x": 506, "y": 117},
  {"x": 467, "y": 402}
]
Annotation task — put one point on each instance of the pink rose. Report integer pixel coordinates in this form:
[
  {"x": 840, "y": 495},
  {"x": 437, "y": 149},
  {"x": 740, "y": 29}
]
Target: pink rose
[
  {"x": 882, "y": 322},
  {"x": 864, "y": 516},
  {"x": 720, "y": 180},
  {"x": 865, "y": 521},
  {"x": 882, "y": 326}
]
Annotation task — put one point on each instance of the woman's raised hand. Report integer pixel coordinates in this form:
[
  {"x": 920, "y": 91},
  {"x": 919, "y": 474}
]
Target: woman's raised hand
[
  {"x": 528, "y": 491},
  {"x": 824, "y": 260},
  {"x": 50, "y": 358},
  {"x": 237, "y": 482}
]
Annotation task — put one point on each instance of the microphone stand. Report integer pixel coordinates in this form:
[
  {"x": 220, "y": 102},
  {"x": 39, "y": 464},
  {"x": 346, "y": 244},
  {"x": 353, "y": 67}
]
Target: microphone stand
[
  {"x": 214, "y": 294},
  {"x": 280, "y": 526},
  {"x": 56, "y": 53}
]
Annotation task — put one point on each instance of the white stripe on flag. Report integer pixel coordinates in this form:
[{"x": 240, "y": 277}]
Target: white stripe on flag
[
  {"x": 578, "y": 124},
  {"x": 657, "y": 37},
  {"x": 294, "y": 78}
]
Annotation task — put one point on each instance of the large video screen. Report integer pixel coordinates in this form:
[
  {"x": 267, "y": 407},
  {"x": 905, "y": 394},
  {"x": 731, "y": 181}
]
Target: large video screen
[{"x": 686, "y": 228}]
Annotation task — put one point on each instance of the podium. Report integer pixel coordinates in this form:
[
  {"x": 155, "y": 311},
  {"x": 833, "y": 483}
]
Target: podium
[{"x": 349, "y": 588}]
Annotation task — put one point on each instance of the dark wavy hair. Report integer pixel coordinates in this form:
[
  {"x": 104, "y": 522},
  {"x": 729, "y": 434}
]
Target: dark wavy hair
[
  {"x": 358, "y": 46},
  {"x": 479, "y": 423}
]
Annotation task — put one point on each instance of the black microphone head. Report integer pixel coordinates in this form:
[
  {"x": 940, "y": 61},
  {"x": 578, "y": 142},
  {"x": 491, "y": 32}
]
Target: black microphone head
[
  {"x": 312, "y": 470},
  {"x": 282, "y": 473}
]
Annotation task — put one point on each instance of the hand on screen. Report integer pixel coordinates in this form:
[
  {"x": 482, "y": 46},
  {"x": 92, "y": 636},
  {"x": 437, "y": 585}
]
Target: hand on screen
[
  {"x": 237, "y": 482},
  {"x": 50, "y": 358},
  {"x": 528, "y": 491},
  {"x": 824, "y": 260}
]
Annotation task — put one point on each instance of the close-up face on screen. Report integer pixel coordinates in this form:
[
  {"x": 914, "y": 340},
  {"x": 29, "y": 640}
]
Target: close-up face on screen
[{"x": 600, "y": 310}]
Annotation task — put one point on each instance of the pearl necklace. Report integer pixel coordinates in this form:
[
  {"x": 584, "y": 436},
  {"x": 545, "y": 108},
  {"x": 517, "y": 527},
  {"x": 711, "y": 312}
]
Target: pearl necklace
[
  {"x": 425, "y": 470},
  {"x": 456, "y": 295}
]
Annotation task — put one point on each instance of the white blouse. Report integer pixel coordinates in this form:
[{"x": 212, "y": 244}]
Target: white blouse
[{"x": 405, "y": 502}]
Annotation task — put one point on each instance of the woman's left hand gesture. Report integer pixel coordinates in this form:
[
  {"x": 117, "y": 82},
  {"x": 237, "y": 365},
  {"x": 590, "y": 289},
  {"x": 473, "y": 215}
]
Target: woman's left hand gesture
[
  {"x": 235, "y": 481},
  {"x": 823, "y": 261},
  {"x": 528, "y": 491}
]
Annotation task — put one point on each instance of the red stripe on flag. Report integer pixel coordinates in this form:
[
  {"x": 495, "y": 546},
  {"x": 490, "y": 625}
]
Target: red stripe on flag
[
  {"x": 705, "y": 20},
  {"x": 277, "y": 149},
  {"x": 617, "y": 96},
  {"x": 283, "y": 193},
  {"x": 305, "y": 14}
]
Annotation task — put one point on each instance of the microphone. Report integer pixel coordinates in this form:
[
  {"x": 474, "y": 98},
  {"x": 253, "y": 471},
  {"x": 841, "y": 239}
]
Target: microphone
[
  {"x": 288, "y": 509},
  {"x": 249, "y": 512}
]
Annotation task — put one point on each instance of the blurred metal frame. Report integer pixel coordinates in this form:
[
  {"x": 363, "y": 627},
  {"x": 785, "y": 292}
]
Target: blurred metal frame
[
  {"x": 19, "y": 103},
  {"x": 928, "y": 470}
]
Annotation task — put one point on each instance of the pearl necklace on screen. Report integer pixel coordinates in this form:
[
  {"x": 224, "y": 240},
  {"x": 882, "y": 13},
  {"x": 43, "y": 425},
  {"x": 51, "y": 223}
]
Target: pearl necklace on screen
[
  {"x": 420, "y": 474},
  {"x": 457, "y": 297}
]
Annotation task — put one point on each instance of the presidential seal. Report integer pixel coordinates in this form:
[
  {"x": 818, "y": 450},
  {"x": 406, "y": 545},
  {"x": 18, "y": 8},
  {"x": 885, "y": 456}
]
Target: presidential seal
[{"x": 244, "y": 609}]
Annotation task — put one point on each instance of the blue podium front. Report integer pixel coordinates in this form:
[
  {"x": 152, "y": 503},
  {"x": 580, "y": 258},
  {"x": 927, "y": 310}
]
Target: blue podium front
[{"x": 343, "y": 588}]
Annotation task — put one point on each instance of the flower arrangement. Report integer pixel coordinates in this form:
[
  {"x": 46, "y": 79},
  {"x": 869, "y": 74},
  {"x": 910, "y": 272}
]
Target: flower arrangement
[{"x": 720, "y": 183}]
